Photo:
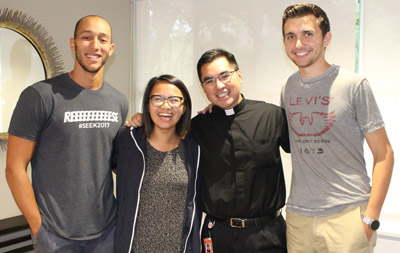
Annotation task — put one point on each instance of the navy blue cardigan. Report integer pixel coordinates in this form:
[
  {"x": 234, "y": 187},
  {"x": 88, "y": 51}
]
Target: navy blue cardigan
[{"x": 128, "y": 157}]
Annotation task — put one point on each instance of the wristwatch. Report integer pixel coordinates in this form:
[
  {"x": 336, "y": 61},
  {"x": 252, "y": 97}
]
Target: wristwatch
[{"x": 373, "y": 224}]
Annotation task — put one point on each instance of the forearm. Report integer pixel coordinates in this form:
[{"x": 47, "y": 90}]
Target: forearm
[
  {"x": 19, "y": 154},
  {"x": 22, "y": 191},
  {"x": 381, "y": 176}
]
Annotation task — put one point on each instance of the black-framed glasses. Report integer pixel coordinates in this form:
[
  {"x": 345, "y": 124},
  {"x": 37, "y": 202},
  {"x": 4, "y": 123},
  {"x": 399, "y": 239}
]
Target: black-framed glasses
[
  {"x": 173, "y": 101},
  {"x": 223, "y": 77}
]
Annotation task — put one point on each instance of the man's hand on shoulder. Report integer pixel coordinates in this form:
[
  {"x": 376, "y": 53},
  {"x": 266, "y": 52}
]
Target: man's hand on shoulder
[
  {"x": 208, "y": 108},
  {"x": 135, "y": 121}
]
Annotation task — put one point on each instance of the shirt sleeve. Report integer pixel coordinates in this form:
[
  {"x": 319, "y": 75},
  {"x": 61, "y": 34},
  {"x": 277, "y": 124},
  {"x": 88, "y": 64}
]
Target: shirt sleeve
[
  {"x": 29, "y": 116},
  {"x": 125, "y": 109},
  {"x": 366, "y": 109},
  {"x": 284, "y": 139}
]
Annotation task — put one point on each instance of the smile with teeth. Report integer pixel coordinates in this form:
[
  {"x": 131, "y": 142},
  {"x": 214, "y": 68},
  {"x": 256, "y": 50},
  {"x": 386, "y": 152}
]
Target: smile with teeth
[
  {"x": 222, "y": 94},
  {"x": 165, "y": 115},
  {"x": 301, "y": 53},
  {"x": 93, "y": 56}
]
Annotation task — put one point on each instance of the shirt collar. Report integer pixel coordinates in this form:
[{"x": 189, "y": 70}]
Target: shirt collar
[{"x": 233, "y": 110}]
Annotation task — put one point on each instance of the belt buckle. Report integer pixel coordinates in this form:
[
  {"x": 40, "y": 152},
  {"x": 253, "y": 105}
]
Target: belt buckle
[{"x": 236, "y": 226}]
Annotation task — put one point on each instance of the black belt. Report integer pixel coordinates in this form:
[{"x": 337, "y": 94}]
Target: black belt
[{"x": 246, "y": 222}]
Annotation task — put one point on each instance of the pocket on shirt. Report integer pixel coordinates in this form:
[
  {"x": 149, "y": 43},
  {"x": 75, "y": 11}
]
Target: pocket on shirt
[{"x": 264, "y": 153}]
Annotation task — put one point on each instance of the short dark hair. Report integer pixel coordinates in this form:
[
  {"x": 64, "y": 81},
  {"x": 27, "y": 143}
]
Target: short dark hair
[
  {"x": 304, "y": 9},
  {"x": 80, "y": 20},
  {"x": 213, "y": 54},
  {"x": 183, "y": 125}
]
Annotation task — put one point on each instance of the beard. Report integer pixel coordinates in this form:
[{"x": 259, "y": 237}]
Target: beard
[{"x": 87, "y": 68}]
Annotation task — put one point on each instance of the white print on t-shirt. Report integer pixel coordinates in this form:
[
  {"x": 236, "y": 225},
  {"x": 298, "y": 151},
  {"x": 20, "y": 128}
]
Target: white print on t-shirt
[
  {"x": 89, "y": 116},
  {"x": 94, "y": 125}
]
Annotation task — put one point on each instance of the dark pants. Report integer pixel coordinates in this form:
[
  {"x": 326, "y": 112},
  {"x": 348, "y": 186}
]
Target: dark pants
[{"x": 270, "y": 237}]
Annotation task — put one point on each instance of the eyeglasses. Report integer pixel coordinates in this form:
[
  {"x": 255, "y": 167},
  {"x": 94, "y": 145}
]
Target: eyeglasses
[
  {"x": 173, "y": 101},
  {"x": 223, "y": 77}
]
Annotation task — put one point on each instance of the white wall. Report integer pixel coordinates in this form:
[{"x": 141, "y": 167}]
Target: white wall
[
  {"x": 59, "y": 18},
  {"x": 172, "y": 35},
  {"x": 381, "y": 53}
]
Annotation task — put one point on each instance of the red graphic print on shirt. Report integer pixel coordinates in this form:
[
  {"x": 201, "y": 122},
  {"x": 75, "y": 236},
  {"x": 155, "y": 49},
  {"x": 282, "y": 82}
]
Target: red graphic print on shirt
[{"x": 315, "y": 124}]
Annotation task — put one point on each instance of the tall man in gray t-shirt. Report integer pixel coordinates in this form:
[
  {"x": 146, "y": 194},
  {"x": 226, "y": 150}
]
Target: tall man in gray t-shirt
[
  {"x": 330, "y": 111},
  {"x": 64, "y": 127}
]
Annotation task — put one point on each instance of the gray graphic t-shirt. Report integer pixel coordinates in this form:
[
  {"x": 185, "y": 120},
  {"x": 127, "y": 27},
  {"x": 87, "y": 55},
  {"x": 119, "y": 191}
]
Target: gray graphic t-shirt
[
  {"x": 328, "y": 117},
  {"x": 73, "y": 129}
]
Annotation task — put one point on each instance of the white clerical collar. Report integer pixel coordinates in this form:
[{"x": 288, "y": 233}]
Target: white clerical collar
[{"x": 229, "y": 112}]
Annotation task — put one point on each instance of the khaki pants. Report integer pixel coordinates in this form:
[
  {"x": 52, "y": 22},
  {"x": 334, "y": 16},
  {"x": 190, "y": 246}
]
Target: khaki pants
[{"x": 342, "y": 232}]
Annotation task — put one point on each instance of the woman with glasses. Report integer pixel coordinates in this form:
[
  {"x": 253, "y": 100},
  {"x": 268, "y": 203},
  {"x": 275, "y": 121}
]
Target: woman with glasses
[{"x": 157, "y": 174}]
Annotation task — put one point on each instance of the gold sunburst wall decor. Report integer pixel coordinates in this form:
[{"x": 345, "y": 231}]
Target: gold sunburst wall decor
[
  {"x": 3, "y": 141},
  {"x": 38, "y": 36}
]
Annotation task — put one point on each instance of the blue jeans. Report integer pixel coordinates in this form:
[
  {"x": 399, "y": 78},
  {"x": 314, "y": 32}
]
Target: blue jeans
[{"x": 47, "y": 241}]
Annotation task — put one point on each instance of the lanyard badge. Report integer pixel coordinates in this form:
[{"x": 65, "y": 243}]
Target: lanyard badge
[{"x": 208, "y": 247}]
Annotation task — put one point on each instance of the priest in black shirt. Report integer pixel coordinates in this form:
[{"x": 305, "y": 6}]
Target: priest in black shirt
[{"x": 243, "y": 186}]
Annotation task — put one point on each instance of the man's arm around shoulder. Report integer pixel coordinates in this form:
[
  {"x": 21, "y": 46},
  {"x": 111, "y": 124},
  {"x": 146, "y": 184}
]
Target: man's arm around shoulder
[{"x": 19, "y": 154}]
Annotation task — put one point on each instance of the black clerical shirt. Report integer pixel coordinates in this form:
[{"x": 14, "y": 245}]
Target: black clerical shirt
[{"x": 240, "y": 159}]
